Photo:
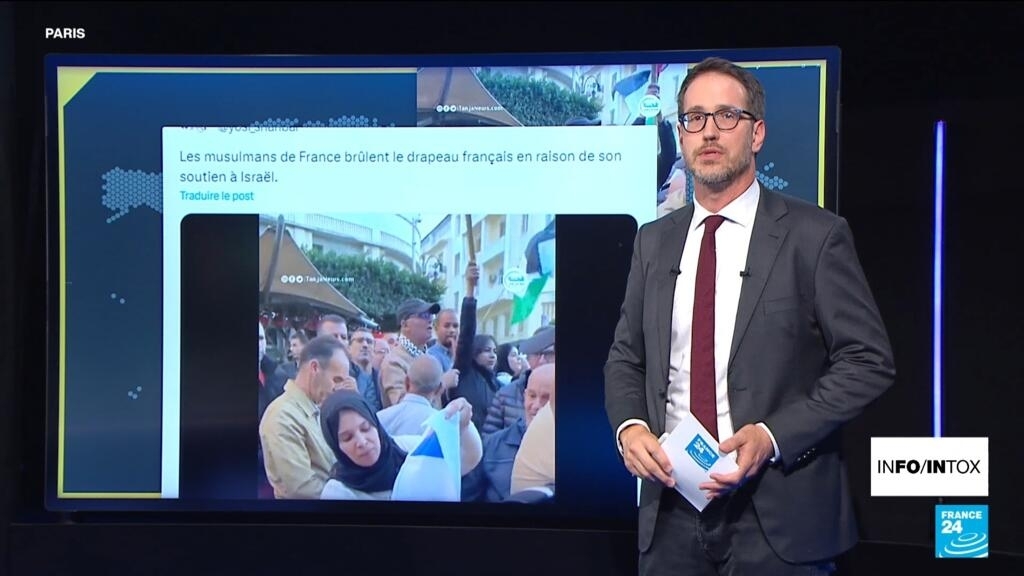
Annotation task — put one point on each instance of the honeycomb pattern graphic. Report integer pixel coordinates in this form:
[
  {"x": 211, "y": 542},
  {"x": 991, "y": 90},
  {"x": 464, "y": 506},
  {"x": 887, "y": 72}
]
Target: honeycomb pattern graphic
[
  {"x": 355, "y": 122},
  {"x": 339, "y": 122},
  {"x": 276, "y": 123},
  {"x": 125, "y": 190},
  {"x": 773, "y": 182}
]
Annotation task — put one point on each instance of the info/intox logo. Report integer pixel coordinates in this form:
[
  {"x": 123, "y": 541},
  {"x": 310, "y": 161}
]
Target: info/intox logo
[
  {"x": 929, "y": 466},
  {"x": 961, "y": 531}
]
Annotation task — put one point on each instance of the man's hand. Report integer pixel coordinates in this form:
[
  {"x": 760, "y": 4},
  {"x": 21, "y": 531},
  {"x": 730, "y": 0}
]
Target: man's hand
[
  {"x": 753, "y": 449},
  {"x": 461, "y": 407},
  {"x": 472, "y": 276},
  {"x": 450, "y": 379},
  {"x": 346, "y": 383},
  {"x": 644, "y": 456}
]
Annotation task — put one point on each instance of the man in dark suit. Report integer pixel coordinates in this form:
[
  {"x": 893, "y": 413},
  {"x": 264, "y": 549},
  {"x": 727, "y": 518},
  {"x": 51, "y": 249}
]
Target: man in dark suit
[{"x": 749, "y": 310}]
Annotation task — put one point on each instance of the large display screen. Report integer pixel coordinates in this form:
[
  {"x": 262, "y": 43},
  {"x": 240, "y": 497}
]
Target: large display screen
[{"x": 349, "y": 206}]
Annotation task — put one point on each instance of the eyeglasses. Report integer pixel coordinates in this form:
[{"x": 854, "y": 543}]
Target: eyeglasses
[
  {"x": 726, "y": 119},
  {"x": 425, "y": 315}
]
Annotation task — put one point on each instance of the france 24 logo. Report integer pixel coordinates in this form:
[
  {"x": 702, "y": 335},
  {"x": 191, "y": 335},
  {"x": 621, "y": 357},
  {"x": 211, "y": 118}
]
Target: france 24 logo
[
  {"x": 961, "y": 531},
  {"x": 702, "y": 453}
]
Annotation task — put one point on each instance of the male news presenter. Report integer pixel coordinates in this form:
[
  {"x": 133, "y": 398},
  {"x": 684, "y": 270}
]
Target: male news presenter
[{"x": 766, "y": 330}]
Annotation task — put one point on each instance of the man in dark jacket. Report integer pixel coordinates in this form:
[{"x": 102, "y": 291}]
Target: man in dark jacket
[
  {"x": 508, "y": 402},
  {"x": 491, "y": 481}
]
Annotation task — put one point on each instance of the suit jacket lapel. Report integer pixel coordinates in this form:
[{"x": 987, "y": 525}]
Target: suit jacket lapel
[
  {"x": 765, "y": 240},
  {"x": 672, "y": 240}
]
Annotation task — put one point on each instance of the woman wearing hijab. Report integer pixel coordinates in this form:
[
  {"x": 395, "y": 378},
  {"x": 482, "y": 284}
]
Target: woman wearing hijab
[
  {"x": 368, "y": 458},
  {"x": 509, "y": 365}
]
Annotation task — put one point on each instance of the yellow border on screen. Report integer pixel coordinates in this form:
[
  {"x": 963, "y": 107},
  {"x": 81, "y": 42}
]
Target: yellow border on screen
[
  {"x": 822, "y": 77},
  {"x": 71, "y": 79}
]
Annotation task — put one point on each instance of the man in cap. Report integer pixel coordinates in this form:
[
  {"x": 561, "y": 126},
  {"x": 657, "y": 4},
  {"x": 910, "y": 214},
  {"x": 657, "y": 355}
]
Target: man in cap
[
  {"x": 415, "y": 318},
  {"x": 539, "y": 348}
]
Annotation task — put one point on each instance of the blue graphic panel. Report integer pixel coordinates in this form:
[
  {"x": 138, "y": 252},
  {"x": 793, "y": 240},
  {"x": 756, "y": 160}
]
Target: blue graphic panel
[{"x": 112, "y": 138}]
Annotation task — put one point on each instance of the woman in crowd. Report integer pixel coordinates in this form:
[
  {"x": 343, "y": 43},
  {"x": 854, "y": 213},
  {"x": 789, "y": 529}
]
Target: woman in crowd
[
  {"x": 475, "y": 356},
  {"x": 509, "y": 364},
  {"x": 368, "y": 459},
  {"x": 507, "y": 405}
]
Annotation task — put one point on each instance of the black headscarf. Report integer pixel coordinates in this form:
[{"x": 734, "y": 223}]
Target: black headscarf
[
  {"x": 376, "y": 478},
  {"x": 503, "y": 366}
]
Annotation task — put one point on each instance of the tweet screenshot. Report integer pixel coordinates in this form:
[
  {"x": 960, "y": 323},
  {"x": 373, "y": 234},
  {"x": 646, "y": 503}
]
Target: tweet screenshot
[{"x": 348, "y": 219}]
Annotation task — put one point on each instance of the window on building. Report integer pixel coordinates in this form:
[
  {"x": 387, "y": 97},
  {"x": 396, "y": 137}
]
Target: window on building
[{"x": 548, "y": 311}]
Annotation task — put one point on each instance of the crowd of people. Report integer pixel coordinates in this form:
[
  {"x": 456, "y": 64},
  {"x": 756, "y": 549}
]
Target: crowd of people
[{"x": 341, "y": 414}]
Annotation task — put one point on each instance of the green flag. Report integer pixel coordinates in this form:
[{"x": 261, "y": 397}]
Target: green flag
[{"x": 523, "y": 306}]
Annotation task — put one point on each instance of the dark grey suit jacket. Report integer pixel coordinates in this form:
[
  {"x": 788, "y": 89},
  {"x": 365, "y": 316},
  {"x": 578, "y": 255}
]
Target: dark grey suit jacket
[{"x": 809, "y": 352}]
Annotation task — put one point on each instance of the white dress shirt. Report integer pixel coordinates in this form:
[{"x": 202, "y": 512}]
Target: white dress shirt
[{"x": 731, "y": 243}]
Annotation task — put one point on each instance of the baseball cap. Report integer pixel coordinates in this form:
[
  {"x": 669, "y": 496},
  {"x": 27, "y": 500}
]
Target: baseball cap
[
  {"x": 541, "y": 340},
  {"x": 414, "y": 306}
]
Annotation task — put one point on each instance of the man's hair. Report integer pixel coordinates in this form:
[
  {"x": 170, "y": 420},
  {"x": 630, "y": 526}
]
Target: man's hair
[
  {"x": 334, "y": 318},
  {"x": 424, "y": 375},
  {"x": 751, "y": 85},
  {"x": 441, "y": 312},
  {"x": 299, "y": 335},
  {"x": 355, "y": 329},
  {"x": 321, "y": 349}
]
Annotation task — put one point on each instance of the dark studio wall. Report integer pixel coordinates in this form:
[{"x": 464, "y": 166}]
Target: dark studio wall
[{"x": 903, "y": 66}]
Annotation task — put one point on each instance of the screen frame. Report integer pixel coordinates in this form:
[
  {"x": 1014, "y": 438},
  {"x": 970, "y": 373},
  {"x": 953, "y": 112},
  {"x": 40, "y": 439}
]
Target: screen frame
[{"x": 467, "y": 514}]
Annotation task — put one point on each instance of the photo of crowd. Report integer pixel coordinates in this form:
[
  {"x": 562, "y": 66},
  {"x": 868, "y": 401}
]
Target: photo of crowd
[
  {"x": 583, "y": 95},
  {"x": 369, "y": 340}
]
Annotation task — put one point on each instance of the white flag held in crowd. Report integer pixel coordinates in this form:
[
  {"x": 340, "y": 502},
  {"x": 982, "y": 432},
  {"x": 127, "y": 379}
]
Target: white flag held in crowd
[{"x": 433, "y": 470}]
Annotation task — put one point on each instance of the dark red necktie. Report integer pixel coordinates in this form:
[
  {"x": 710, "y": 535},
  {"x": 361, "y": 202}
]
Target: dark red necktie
[{"x": 703, "y": 402}]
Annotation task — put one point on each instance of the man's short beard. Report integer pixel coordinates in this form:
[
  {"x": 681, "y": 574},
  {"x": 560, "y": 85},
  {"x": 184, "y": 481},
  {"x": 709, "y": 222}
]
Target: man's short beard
[{"x": 721, "y": 179}]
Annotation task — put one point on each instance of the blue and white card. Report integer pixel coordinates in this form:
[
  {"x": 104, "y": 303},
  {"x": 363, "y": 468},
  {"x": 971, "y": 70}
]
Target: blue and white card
[{"x": 695, "y": 456}]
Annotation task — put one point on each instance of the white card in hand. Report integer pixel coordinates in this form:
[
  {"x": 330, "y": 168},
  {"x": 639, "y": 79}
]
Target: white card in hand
[{"x": 694, "y": 455}]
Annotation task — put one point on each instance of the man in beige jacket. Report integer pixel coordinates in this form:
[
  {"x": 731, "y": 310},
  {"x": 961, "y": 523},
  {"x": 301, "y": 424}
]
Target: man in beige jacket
[{"x": 415, "y": 318}]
